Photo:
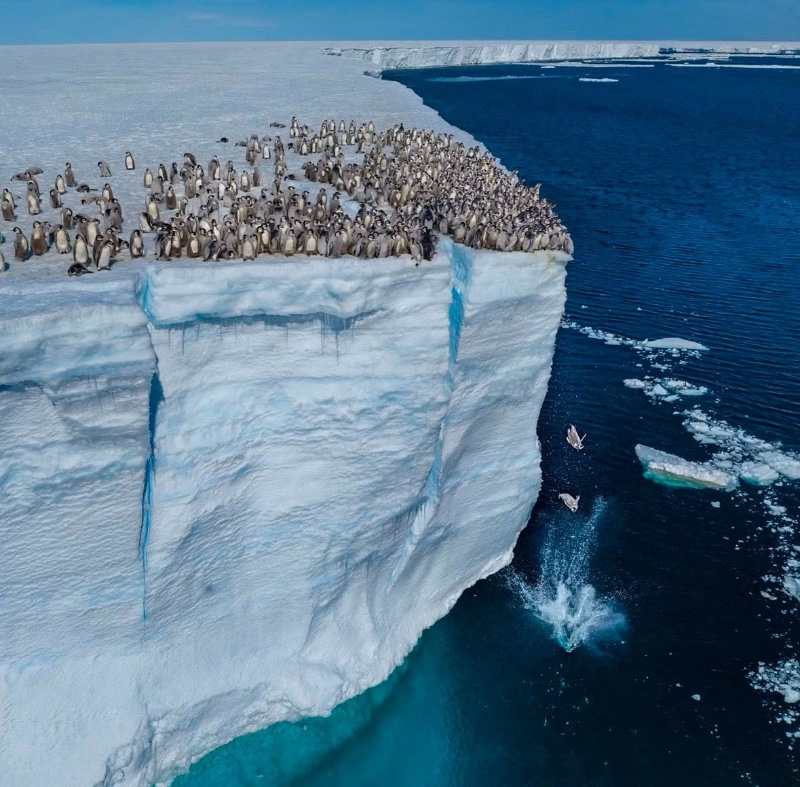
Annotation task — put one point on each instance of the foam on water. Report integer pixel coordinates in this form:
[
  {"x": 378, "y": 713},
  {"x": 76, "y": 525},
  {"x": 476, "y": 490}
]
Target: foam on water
[{"x": 564, "y": 598}]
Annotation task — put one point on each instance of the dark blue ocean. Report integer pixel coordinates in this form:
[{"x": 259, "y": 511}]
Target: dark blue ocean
[{"x": 623, "y": 646}]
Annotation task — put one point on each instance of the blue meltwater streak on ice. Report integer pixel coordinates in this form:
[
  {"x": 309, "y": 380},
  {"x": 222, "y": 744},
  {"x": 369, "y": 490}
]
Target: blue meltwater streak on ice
[
  {"x": 564, "y": 598},
  {"x": 156, "y": 397}
]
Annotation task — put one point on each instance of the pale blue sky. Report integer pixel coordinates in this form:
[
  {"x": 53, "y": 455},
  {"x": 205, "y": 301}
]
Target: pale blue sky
[{"x": 56, "y": 21}]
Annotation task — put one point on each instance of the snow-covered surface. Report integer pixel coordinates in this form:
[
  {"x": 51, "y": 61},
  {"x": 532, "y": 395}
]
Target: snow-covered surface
[
  {"x": 236, "y": 493},
  {"x": 427, "y": 54}
]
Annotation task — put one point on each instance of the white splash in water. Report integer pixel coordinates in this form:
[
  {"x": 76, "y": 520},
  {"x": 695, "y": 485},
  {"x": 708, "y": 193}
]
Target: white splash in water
[{"x": 563, "y": 598}]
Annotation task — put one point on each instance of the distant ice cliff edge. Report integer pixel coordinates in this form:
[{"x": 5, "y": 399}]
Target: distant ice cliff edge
[
  {"x": 430, "y": 54},
  {"x": 292, "y": 467}
]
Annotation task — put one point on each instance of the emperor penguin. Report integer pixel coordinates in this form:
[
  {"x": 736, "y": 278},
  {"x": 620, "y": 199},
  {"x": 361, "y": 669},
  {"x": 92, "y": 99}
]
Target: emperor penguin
[
  {"x": 66, "y": 218},
  {"x": 136, "y": 244},
  {"x": 193, "y": 249},
  {"x": 62, "y": 243},
  {"x": 69, "y": 176},
  {"x": 22, "y": 249},
  {"x": 147, "y": 180},
  {"x": 77, "y": 269},
  {"x": 129, "y": 162},
  {"x": 60, "y": 185},
  {"x": 145, "y": 222},
  {"x": 103, "y": 260},
  {"x": 170, "y": 200},
  {"x": 38, "y": 239},
  {"x": 92, "y": 230},
  {"x": 80, "y": 250},
  {"x": 248, "y": 247},
  {"x": 2, "y": 262},
  {"x": 34, "y": 206},
  {"x": 7, "y": 209},
  {"x": 55, "y": 199},
  {"x": 152, "y": 208},
  {"x": 104, "y": 170}
]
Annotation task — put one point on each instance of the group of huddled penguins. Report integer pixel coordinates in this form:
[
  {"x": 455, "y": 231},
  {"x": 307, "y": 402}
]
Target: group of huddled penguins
[{"x": 410, "y": 187}]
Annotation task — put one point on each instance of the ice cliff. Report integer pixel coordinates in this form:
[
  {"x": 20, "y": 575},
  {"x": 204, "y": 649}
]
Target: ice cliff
[
  {"x": 237, "y": 494},
  {"x": 427, "y": 54}
]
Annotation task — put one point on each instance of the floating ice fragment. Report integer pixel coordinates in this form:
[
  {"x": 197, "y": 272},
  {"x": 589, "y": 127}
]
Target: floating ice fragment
[
  {"x": 792, "y": 586},
  {"x": 785, "y": 465},
  {"x": 757, "y": 473},
  {"x": 657, "y": 390},
  {"x": 696, "y": 697},
  {"x": 715, "y": 504},
  {"x": 671, "y": 470},
  {"x": 590, "y": 79},
  {"x": 673, "y": 343},
  {"x": 633, "y": 383}
]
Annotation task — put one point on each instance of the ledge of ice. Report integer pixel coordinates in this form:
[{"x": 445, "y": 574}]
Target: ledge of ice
[
  {"x": 672, "y": 470},
  {"x": 428, "y": 54}
]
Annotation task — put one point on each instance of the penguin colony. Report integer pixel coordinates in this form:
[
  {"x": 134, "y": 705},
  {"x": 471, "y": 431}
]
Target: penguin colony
[{"x": 410, "y": 187}]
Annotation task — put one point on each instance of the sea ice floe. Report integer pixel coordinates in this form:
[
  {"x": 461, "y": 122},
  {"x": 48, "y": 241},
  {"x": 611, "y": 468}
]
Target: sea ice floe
[
  {"x": 783, "y": 679},
  {"x": 661, "y": 353},
  {"x": 672, "y": 470},
  {"x": 673, "y": 343},
  {"x": 668, "y": 389},
  {"x": 791, "y": 585},
  {"x": 757, "y": 461},
  {"x": 590, "y": 79},
  {"x": 758, "y": 473}
]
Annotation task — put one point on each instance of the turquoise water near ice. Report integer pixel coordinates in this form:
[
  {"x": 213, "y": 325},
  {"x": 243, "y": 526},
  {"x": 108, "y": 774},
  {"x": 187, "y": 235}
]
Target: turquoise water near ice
[{"x": 619, "y": 647}]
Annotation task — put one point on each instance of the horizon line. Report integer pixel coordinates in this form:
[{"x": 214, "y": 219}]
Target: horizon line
[{"x": 413, "y": 41}]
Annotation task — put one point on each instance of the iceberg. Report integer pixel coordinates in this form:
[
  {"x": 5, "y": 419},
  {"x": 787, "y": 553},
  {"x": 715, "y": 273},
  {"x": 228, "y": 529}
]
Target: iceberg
[
  {"x": 236, "y": 493},
  {"x": 672, "y": 470}
]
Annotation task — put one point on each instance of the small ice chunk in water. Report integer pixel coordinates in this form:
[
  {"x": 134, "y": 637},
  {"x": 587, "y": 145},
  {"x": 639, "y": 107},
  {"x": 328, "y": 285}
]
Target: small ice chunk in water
[
  {"x": 672, "y": 470},
  {"x": 792, "y": 586},
  {"x": 658, "y": 390},
  {"x": 785, "y": 465},
  {"x": 715, "y": 503},
  {"x": 633, "y": 383},
  {"x": 757, "y": 473},
  {"x": 696, "y": 697},
  {"x": 791, "y": 696},
  {"x": 673, "y": 343}
]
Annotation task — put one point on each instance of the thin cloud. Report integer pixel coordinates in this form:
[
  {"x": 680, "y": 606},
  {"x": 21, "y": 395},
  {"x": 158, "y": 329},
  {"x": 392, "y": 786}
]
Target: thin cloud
[{"x": 203, "y": 17}]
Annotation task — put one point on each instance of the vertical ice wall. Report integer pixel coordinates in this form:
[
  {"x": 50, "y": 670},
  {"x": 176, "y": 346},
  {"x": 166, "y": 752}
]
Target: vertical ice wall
[{"x": 235, "y": 494}]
